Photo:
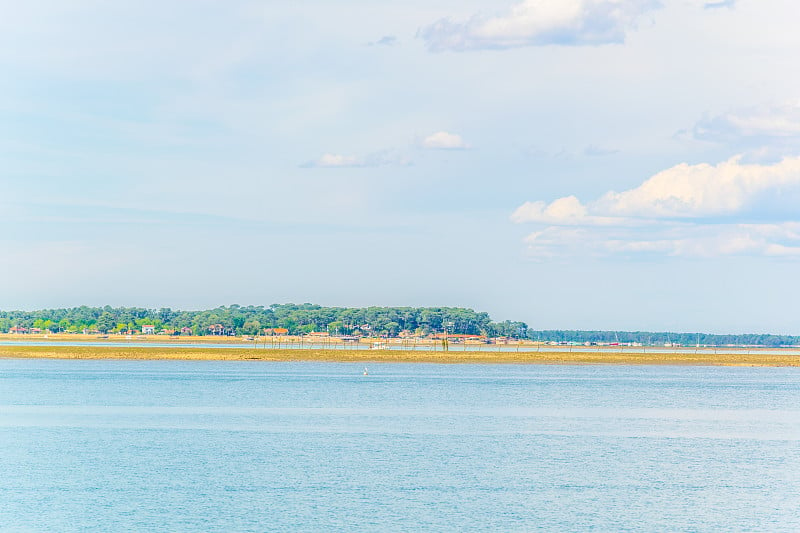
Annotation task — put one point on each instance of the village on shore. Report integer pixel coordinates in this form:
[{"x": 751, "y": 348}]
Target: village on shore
[
  {"x": 312, "y": 324},
  {"x": 218, "y": 333}
]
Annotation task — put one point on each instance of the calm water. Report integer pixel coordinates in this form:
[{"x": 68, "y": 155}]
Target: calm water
[{"x": 253, "y": 446}]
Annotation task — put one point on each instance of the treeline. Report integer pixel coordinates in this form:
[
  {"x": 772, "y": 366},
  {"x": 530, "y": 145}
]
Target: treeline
[
  {"x": 649, "y": 338},
  {"x": 252, "y": 320},
  {"x": 378, "y": 321}
]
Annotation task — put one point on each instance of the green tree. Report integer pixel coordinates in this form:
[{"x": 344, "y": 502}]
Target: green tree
[
  {"x": 105, "y": 322},
  {"x": 251, "y": 327}
]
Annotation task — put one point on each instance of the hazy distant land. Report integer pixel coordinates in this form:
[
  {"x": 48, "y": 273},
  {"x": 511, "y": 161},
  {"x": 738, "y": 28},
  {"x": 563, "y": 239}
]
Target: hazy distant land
[{"x": 311, "y": 320}]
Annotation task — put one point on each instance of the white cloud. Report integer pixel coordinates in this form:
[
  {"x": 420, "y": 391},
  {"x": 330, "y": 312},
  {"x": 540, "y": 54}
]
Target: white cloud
[
  {"x": 386, "y": 40},
  {"x": 730, "y": 208},
  {"x": 334, "y": 161},
  {"x": 711, "y": 240},
  {"x": 443, "y": 140},
  {"x": 722, "y": 3},
  {"x": 667, "y": 239},
  {"x": 567, "y": 211},
  {"x": 538, "y": 23},
  {"x": 703, "y": 190},
  {"x": 766, "y": 131},
  {"x": 375, "y": 159}
]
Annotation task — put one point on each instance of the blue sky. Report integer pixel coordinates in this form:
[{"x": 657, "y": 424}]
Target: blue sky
[{"x": 588, "y": 164}]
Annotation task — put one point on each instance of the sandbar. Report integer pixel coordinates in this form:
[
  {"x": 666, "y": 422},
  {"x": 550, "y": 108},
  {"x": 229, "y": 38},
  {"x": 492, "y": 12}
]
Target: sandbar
[{"x": 143, "y": 352}]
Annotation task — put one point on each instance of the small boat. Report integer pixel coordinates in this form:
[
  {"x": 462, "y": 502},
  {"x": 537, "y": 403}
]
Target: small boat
[{"x": 366, "y": 372}]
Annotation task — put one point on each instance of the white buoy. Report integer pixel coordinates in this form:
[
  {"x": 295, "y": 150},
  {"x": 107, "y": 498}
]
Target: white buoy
[{"x": 366, "y": 373}]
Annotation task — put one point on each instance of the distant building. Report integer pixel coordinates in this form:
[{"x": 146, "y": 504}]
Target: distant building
[
  {"x": 459, "y": 337},
  {"x": 186, "y": 331},
  {"x": 17, "y": 330},
  {"x": 276, "y": 331},
  {"x": 219, "y": 329},
  {"x": 148, "y": 330},
  {"x": 216, "y": 329}
]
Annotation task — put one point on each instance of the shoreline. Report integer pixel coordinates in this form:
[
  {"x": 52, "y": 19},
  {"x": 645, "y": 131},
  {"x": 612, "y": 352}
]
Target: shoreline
[{"x": 143, "y": 352}]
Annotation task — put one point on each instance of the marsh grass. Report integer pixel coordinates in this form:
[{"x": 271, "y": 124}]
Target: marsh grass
[{"x": 752, "y": 358}]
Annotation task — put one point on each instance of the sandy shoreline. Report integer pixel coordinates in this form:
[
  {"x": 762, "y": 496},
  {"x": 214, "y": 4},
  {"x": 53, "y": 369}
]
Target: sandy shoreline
[{"x": 395, "y": 356}]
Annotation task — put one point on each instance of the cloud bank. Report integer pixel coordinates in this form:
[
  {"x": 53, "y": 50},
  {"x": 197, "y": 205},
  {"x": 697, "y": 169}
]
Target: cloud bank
[
  {"x": 540, "y": 23},
  {"x": 703, "y": 210}
]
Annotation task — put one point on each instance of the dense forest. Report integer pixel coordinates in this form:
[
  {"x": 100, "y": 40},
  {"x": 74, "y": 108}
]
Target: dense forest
[
  {"x": 252, "y": 320},
  {"x": 378, "y": 321}
]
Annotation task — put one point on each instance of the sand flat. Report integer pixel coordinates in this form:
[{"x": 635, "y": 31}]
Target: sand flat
[{"x": 143, "y": 352}]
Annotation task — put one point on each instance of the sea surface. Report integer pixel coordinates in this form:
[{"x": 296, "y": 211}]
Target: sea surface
[{"x": 92, "y": 445}]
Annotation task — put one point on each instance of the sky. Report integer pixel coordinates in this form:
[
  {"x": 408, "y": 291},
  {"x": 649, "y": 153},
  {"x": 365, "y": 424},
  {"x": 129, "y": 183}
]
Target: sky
[{"x": 574, "y": 164}]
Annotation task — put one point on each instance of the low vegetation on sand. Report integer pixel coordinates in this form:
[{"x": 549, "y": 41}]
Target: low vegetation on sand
[{"x": 754, "y": 358}]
